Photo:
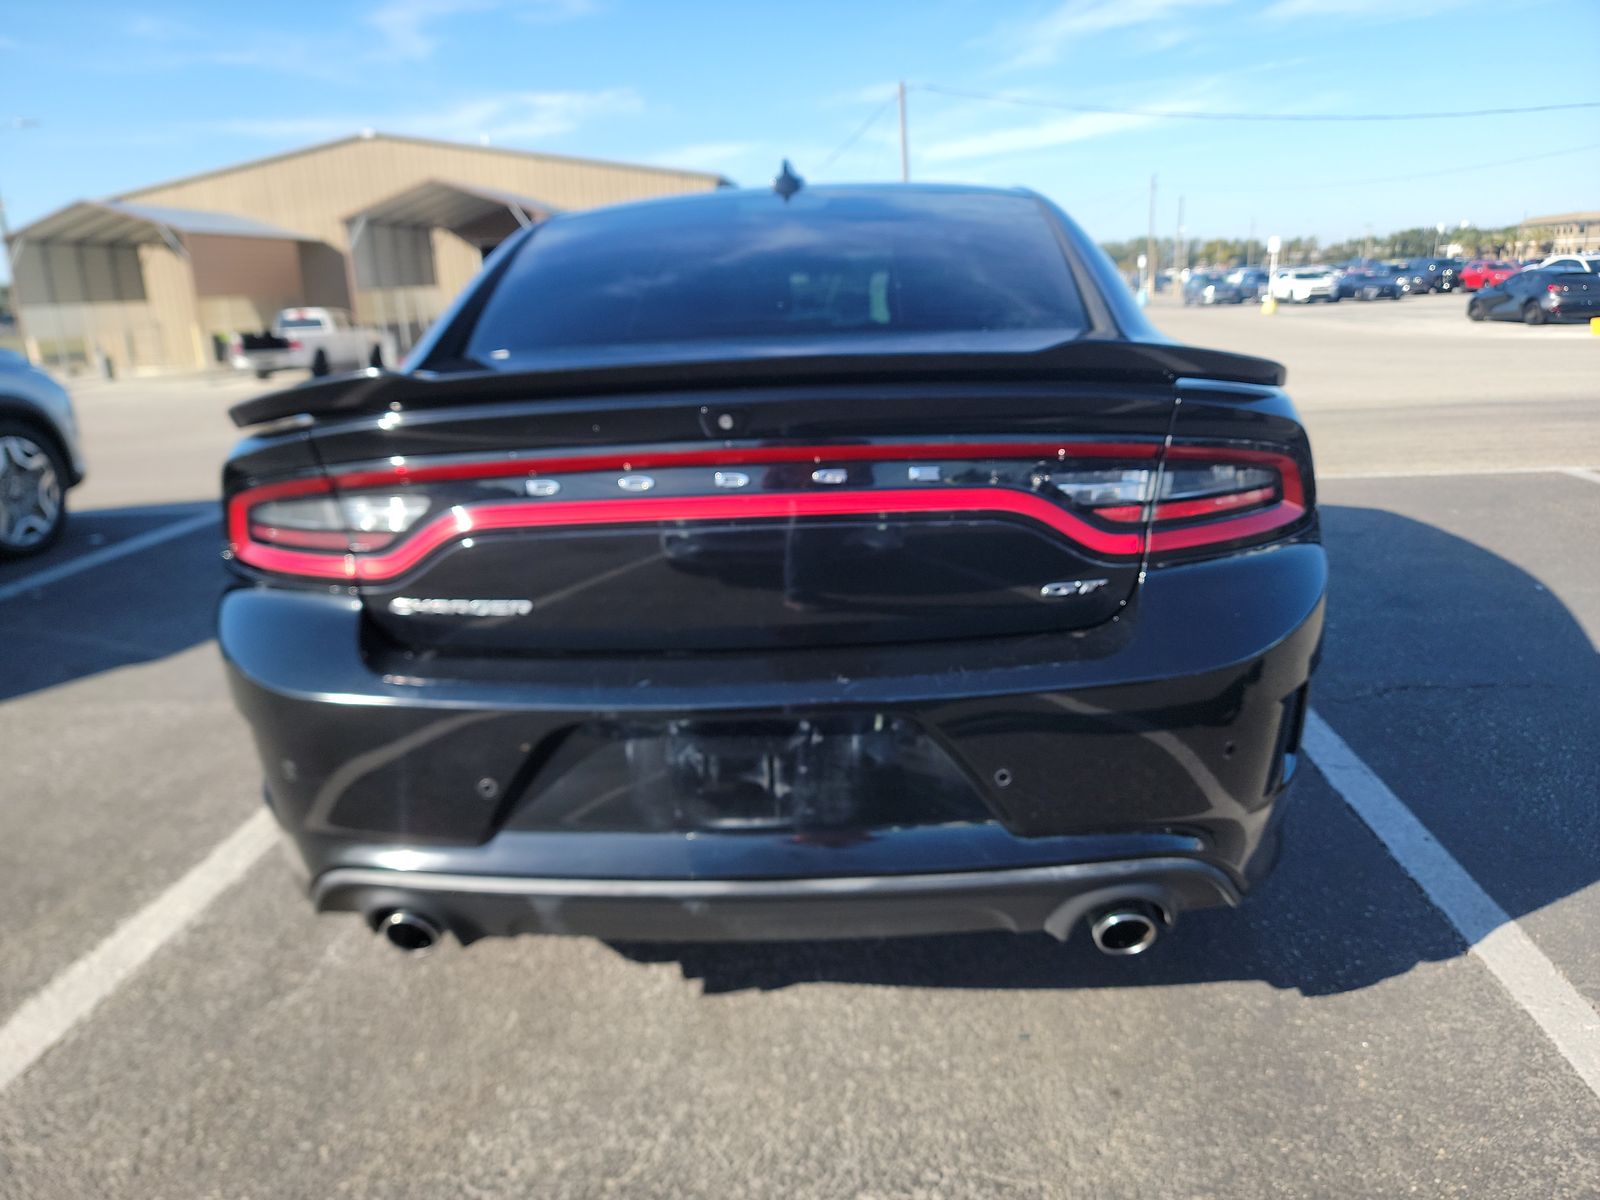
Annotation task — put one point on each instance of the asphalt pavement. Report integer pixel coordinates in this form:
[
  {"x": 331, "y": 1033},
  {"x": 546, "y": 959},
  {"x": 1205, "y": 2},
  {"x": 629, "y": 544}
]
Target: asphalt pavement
[{"x": 1336, "y": 1036}]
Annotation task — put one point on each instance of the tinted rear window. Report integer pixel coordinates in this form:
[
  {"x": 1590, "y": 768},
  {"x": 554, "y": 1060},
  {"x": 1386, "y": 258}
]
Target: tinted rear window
[
  {"x": 749, "y": 266},
  {"x": 301, "y": 323}
]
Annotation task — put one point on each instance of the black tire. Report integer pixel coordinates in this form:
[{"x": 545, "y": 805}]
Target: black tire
[
  {"x": 263, "y": 374},
  {"x": 1475, "y": 311},
  {"x": 319, "y": 364},
  {"x": 1532, "y": 314},
  {"x": 375, "y": 359},
  {"x": 39, "y": 441}
]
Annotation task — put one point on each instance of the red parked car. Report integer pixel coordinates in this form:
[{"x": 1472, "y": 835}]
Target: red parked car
[{"x": 1482, "y": 273}]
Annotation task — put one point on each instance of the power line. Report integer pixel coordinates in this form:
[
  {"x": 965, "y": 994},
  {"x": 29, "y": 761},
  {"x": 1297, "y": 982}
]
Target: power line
[
  {"x": 857, "y": 135},
  {"x": 1195, "y": 115}
]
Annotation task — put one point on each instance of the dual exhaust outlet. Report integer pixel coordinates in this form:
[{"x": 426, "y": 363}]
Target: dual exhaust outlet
[{"x": 1119, "y": 930}]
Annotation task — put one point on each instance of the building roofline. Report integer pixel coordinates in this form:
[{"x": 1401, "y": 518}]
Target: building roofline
[
  {"x": 1558, "y": 218},
  {"x": 709, "y": 176}
]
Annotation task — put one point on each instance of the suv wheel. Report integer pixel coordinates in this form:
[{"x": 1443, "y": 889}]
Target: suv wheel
[
  {"x": 32, "y": 501},
  {"x": 1532, "y": 314}
]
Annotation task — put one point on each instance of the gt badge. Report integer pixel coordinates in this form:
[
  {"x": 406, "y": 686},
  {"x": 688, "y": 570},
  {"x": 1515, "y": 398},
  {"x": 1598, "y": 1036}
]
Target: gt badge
[{"x": 1071, "y": 587}]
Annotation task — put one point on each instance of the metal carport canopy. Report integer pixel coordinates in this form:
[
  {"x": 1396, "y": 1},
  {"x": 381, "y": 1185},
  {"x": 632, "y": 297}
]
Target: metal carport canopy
[
  {"x": 465, "y": 209},
  {"x": 117, "y": 223}
]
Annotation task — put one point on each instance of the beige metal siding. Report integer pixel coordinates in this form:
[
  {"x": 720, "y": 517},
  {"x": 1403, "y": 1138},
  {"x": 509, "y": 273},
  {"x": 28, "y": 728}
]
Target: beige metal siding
[
  {"x": 235, "y": 284},
  {"x": 313, "y": 191}
]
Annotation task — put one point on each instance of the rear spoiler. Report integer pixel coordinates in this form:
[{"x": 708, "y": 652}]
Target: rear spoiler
[{"x": 1110, "y": 361}]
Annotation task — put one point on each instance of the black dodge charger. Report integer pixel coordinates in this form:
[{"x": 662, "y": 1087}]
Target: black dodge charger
[{"x": 850, "y": 562}]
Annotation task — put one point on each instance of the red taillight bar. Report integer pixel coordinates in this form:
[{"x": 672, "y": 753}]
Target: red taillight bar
[
  {"x": 483, "y": 518},
  {"x": 370, "y": 565},
  {"x": 737, "y": 457}
]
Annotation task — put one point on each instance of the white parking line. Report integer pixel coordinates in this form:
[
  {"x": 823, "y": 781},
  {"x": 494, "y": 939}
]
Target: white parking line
[
  {"x": 1568, "y": 1020},
  {"x": 50, "y": 1013},
  {"x": 1583, "y": 473},
  {"x": 85, "y": 562},
  {"x": 1533, "y": 981}
]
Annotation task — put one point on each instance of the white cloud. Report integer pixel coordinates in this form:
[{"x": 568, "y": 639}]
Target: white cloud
[
  {"x": 872, "y": 93},
  {"x": 708, "y": 156},
  {"x": 1384, "y": 10},
  {"x": 1042, "y": 42},
  {"x": 151, "y": 28},
  {"x": 990, "y": 132},
  {"x": 406, "y": 27},
  {"x": 1040, "y": 135},
  {"x": 507, "y": 117}
]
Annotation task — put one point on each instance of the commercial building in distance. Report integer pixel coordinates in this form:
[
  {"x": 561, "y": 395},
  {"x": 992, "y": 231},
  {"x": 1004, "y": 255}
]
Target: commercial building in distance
[
  {"x": 388, "y": 227},
  {"x": 1561, "y": 233}
]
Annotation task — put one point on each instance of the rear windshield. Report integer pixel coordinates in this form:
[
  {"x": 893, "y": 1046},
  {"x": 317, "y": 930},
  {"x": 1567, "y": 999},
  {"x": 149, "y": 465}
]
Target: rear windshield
[
  {"x": 750, "y": 266},
  {"x": 300, "y": 323}
]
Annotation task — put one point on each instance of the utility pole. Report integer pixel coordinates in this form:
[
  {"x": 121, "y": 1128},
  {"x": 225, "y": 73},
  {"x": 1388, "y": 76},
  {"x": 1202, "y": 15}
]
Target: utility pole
[
  {"x": 1150, "y": 244},
  {"x": 1180, "y": 251},
  {"x": 905, "y": 145},
  {"x": 1250, "y": 244}
]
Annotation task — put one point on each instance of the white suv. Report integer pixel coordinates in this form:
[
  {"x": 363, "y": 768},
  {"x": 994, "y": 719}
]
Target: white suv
[
  {"x": 1571, "y": 262},
  {"x": 1305, "y": 284}
]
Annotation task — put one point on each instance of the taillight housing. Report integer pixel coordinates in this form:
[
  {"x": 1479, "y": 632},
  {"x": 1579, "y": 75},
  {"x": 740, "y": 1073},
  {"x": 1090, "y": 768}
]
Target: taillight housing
[
  {"x": 1116, "y": 501},
  {"x": 1203, "y": 500},
  {"x": 303, "y": 528}
]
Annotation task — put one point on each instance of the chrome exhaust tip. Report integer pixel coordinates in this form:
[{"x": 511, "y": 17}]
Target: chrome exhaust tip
[
  {"x": 1126, "y": 929},
  {"x": 409, "y": 931}
]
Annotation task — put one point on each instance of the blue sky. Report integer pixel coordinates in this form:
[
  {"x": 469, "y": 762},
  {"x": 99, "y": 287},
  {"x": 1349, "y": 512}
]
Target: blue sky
[{"x": 127, "y": 95}]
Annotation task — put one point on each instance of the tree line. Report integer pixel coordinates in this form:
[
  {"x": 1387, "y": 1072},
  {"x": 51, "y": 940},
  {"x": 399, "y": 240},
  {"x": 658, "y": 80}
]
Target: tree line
[{"x": 1422, "y": 242}]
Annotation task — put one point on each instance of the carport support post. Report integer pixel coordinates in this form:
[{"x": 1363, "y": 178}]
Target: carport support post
[
  {"x": 13, "y": 255},
  {"x": 352, "y": 265}
]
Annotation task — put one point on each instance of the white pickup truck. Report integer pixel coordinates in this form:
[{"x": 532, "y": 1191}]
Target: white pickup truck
[{"x": 319, "y": 340}]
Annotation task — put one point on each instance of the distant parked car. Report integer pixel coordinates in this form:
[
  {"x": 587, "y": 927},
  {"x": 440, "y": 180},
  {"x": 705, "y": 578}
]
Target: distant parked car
[
  {"x": 1210, "y": 287},
  {"x": 1539, "y": 297},
  {"x": 1432, "y": 274},
  {"x": 39, "y": 457},
  {"x": 1587, "y": 263},
  {"x": 1371, "y": 283},
  {"x": 319, "y": 340},
  {"x": 1252, "y": 282},
  {"x": 1486, "y": 272},
  {"x": 1305, "y": 284}
]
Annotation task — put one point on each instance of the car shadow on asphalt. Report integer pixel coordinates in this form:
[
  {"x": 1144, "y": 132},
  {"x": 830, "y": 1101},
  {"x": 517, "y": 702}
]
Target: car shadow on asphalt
[
  {"x": 1414, "y": 612},
  {"x": 145, "y": 606}
]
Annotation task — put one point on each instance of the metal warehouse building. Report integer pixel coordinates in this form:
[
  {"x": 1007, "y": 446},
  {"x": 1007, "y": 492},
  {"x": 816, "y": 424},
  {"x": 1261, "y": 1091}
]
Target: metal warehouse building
[{"x": 388, "y": 227}]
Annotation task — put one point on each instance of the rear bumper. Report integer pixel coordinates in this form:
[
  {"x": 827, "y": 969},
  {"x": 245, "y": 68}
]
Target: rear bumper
[
  {"x": 271, "y": 360},
  {"x": 1148, "y": 754},
  {"x": 1052, "y": 899}
]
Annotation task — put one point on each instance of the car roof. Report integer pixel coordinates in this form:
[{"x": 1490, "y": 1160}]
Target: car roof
[{"x": 722, "y": 200}]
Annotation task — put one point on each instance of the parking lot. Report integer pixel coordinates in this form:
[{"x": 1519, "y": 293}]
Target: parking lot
[{"x": 1400, "y": 1010}]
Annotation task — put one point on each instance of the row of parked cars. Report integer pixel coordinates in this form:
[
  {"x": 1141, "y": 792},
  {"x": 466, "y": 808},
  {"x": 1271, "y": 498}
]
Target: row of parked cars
[{"x": 1540, "y": 288}]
